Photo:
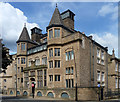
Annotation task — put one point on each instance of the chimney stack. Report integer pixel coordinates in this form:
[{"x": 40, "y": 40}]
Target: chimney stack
[
  {"x": 68, "y": 19},
  {"x": 35, "y": 34}
]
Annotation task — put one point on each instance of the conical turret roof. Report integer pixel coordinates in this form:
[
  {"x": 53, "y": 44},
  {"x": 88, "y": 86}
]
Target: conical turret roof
[
  {"x": 24, "y": 35},
  {"x": 56, "y": 18}
]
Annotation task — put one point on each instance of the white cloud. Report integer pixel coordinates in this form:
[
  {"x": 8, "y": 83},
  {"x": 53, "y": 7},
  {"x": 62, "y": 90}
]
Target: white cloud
[
  {"x": 107, "y": 40},
  {"x": 12, "y": 21},
  {"x": 109, "y": 9}
]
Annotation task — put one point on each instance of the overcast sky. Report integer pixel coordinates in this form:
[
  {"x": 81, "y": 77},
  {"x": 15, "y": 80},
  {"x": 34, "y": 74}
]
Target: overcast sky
[{"x": 97, "y": 19}]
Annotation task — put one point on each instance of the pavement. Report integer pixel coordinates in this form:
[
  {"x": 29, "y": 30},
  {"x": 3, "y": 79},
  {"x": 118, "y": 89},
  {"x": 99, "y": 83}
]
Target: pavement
[{"x": 45, "y": 99}]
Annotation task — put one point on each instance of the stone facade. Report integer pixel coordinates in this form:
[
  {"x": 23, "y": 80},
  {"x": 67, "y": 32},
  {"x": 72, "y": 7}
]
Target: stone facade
[
  {"x": 113, "y": 73},
  {"x": 8, "y": 79},
  {"x": 61, "y": 60}
]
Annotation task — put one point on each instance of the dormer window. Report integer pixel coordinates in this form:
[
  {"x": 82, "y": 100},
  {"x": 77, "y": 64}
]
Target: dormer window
[
  {"x": 57, "y": 32},
  {"x": 50, "y": 34}
]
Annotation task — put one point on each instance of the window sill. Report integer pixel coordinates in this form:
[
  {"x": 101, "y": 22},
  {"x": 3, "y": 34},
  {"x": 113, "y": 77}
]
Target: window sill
[
  {"x": 69, "y": 74},
  {"x": 69, "y": 60},
  {"x": 101, "y": 64}
]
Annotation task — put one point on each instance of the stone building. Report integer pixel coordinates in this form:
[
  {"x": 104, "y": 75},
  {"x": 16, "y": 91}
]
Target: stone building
[
  {"x": 8, "y": 78},
  {"x": 61, "y": 61},
  {"x": 113, "y": 73}
]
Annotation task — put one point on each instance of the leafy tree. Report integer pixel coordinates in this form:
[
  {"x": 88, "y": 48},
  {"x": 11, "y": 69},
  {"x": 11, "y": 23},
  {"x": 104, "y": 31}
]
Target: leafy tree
[{"x": 6, "y": 58}]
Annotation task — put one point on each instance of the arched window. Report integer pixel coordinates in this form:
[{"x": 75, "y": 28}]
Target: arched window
[
  {"x": 64, "y": 95},
  {"x": 25, "y": 93},
  {"x": 44, "y": 60},
  {"x": 18, "y": 93},
  {"x": 39, "y": 93},
  {"x": 11, "y": 92},
  {"x": 50, "y": 94},
  {"x": 37, "y": 61}
]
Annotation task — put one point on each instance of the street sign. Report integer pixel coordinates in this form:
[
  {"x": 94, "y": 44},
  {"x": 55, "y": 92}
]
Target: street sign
[{"x": 98, "y": 85}]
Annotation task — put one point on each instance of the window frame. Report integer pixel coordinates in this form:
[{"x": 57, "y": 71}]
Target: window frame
[
  {"x": 57, "y": 64},
  {"x": 23, "y": 46},
  {"x": 37, "y": 61},
  {"x": 57, "y": 52},
  {"x": 56, "y": 32},
  {"x": 23, "y": 60},
  {"x": 57, "y": 78},
  {"x": 50, "y": 52},
  {"x": 50, "y": 33},
  {"x": 98, "y": 77},
  {"x": 51, "y": 64}
]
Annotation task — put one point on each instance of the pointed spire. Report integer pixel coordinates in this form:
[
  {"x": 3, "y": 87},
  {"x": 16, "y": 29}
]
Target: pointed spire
[
  {"x": 113, "y": 53},
  {"x": 56, "y": 18},
  {"x": 24, "y": 35}
]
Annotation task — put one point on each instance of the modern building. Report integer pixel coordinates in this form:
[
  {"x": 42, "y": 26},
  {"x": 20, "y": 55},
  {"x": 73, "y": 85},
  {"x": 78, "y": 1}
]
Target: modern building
[{"x": 63, "y": 63}]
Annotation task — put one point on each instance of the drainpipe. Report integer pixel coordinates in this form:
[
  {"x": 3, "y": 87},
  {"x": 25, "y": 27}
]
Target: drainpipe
[
  {"x": 90, "y": 61},
  {"x": 107, "y": 69},
  {"x": 118, "y": 77},
  {"x": 93, "y": 61}
]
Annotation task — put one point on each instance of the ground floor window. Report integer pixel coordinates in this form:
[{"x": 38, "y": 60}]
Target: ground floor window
[
  {"x": 25, "y": 93},
  {"x": 39, "y": 93},
  {"x": 18, "y": 93},
  {"x": 50, "y": 94},
  {"x": 11, "y": 92},
  {"x": 64, "y": 95}
]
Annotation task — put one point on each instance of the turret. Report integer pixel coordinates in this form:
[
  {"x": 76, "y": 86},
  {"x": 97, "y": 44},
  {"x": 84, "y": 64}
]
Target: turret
[
  {"x": 55, "y": 25},
  {"x": 22, "y": 42}
]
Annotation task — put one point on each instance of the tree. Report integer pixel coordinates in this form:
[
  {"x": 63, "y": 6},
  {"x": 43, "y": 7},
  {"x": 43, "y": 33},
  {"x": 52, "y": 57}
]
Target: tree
[{"x": 6, "y": 58}]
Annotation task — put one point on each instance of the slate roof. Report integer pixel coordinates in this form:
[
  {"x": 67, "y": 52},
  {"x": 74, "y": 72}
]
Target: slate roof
[
  {"x": 56, "y": 18},
  {"x": 24, "y": 35}
]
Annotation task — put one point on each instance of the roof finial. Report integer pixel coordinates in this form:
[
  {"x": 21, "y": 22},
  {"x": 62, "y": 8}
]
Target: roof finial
[
  {"x": 24, "y": 24},
  {"x": 56, "y": 4},
  {"x": 113, "y": 53},
  {"x": 113, "y": 50}
]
